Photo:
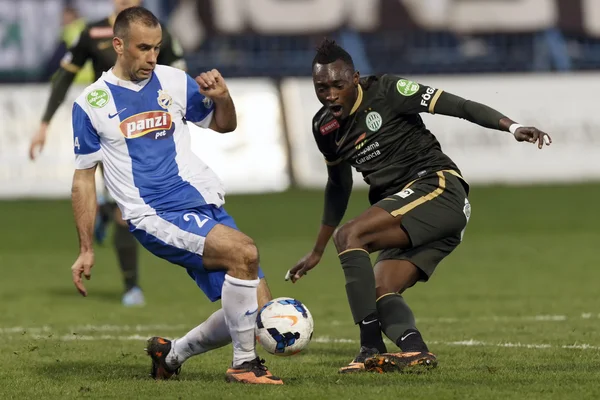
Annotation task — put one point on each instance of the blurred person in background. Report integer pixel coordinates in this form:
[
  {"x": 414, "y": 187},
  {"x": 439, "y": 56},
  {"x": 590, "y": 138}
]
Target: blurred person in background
[
  {"x": 95, "y": 45},
  {"x": 72, "y": 26}
]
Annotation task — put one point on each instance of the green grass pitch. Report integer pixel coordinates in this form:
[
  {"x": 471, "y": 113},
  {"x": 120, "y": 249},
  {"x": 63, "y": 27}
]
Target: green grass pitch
[{"x": 513, "y": 313}]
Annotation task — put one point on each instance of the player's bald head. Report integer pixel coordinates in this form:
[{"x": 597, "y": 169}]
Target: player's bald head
[
  {"x": 329, "y": 51},
  {"x": 133, "y": 15}
]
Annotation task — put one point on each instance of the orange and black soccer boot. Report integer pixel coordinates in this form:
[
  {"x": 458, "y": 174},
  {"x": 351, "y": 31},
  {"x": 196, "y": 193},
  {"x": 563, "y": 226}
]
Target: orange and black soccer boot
[
  {"x": 253, "y": 372},
  {"x": 408, "y": 361},
  {"x": 358, "y": 363},
  {"x": 158, "y": 348}
]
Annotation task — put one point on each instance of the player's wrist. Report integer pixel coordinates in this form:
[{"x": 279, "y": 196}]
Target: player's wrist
[
  {"x": 513, "y": 127},
  {"x": 318, "y": 251},
  {"x": 221, "y": 98},
  {"x": 86, "y": 249}
]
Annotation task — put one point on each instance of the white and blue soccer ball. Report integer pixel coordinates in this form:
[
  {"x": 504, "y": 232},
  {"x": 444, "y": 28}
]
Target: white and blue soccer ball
[{"x": 284, "y": 326}]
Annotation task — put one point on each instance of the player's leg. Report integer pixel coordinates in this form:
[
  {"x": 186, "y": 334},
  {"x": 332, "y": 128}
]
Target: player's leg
[
  {"x": 392, "y": 278},
  {"x": 224, "y": 264},
  {"x": 209, "y": 335},
  {"x": 264, "y": 293},
  {"x": 395, "y": 271},
  {"x": 354, "y": 242},
  {"x": 229, "y": 249},
  {"x": 393, "y": 223},
  {"x": 399, "y": 269},
  {"x": 126, "y": 248},
  {"x": 212, "y": 333}
]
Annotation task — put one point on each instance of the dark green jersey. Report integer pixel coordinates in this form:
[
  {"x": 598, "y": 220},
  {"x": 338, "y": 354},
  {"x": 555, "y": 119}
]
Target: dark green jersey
[
  {"x": 385, "y": 139},
  {"x": 95, "y": 43}
]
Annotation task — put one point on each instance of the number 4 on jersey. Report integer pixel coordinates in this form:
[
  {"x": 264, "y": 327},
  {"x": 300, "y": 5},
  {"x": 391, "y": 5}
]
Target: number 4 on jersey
[{"x": 76, "y": 144}]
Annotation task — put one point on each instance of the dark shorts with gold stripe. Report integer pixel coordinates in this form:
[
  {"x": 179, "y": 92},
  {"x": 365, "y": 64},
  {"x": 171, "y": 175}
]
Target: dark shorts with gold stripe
[{"x": 434, "y": 212}]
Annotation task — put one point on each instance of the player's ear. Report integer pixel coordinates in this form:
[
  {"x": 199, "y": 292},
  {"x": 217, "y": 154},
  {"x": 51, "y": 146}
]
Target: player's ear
[
  {"x": 118, "y": 45},
  {"x": 356, "y": 78}
]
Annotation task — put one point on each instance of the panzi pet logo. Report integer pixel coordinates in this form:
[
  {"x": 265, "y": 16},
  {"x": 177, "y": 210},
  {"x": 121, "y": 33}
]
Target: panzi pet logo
[{"x": 158, "y": 123}]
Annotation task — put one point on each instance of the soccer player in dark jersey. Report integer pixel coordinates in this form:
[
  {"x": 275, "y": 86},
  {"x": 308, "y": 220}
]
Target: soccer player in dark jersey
[
  {"x": 419, "y": 199},
  {"x": 95, "y": 43}
]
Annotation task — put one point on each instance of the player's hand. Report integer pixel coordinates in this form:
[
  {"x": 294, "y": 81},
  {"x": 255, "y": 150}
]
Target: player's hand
[
  {"x": 307, "y": 263},
  {"x": 82, "y": 266},
  {"x": 533, "y": 135},
  {"x": 212, "y": 84},
  {"x": 38, "y": 141}
]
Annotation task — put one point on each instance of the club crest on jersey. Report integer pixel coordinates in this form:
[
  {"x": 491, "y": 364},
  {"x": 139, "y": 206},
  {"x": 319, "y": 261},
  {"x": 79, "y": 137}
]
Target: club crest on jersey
[
  {"x": 152, "y": 124},
  {"x": 329, "y": 127},
  {"x": 164, "y": 99},
  {"x": 207, "y": 102},
  {"x": 373, "y": 121},
  {"x": 360, "y": 142}
]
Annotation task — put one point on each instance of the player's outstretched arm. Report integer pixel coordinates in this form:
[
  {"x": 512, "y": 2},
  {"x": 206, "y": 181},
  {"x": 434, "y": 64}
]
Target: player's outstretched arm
[
  {"x": 83, "y": 198},
  {"x": 337, "y": 194},
  {"x": 213, "y": 86},
  {"x": 480, "y": 114}
]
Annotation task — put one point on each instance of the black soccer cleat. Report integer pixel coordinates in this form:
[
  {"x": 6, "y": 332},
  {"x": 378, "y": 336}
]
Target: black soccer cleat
[
  {"x": 358, "y": 364},
  {"x": 401, "y": 362},
  {"x": 158, "y": 348}
]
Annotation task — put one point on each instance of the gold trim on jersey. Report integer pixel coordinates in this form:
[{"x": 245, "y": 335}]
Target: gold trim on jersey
[
  {"x": 70, "y": 67},
  {"x": 358, "y": 100},
  {"x": 434, "y": 100},
  {"x": 423, "y": 199}
]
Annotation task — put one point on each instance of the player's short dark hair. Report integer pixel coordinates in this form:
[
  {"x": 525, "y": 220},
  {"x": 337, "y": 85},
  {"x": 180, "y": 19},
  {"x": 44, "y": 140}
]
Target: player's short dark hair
[
  {"x": 131, "y": 15},
  {"x": 329, "y": 51}
]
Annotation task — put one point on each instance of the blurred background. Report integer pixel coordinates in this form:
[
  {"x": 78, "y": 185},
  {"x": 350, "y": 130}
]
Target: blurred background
[{"x": 534, "y": 60}]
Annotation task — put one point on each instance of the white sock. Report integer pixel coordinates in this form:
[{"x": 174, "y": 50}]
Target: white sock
[
  {"x": 240, "y": 306},
  {"x": 209, "y": 335}
]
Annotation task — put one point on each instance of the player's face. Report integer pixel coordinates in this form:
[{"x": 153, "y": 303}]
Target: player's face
[
  {"x": 120, "y": 5},
  {"x": 336, "y": 86},
  {"x": 139, "y": 51}
]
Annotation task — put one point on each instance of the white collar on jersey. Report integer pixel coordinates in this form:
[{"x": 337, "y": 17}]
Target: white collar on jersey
[{"x": 110, "y": 77}]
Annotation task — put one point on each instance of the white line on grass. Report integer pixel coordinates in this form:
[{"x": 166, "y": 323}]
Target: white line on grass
[
  {"x": 89, "y": 328},
  {"x": 330, "y": 340},
  {"x": 94, "y": 328}
]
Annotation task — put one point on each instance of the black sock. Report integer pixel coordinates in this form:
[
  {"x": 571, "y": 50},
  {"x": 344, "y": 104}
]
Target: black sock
[
  {"x": 360, "y": 283},
  {"x": 398, "y": 322},
  {"x": 127, "y": 253},
  {"x": 411, "y": 340},
  {"x": 370, "y": 333}
]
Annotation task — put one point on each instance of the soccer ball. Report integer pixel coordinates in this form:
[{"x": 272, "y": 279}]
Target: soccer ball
[{"x": 284, "y": 326}]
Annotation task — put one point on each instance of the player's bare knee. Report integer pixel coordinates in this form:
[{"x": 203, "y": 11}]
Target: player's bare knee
[
  {"x": 245, "y": 260},
  {"x": 347, "y": 237},
  {"x": 381, "y": 289},
  {"x": 250, "y": 257}
]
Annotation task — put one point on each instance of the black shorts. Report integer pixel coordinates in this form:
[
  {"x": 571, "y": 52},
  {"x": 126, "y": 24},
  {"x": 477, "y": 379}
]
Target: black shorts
[{"x": 434, "y": 212}]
